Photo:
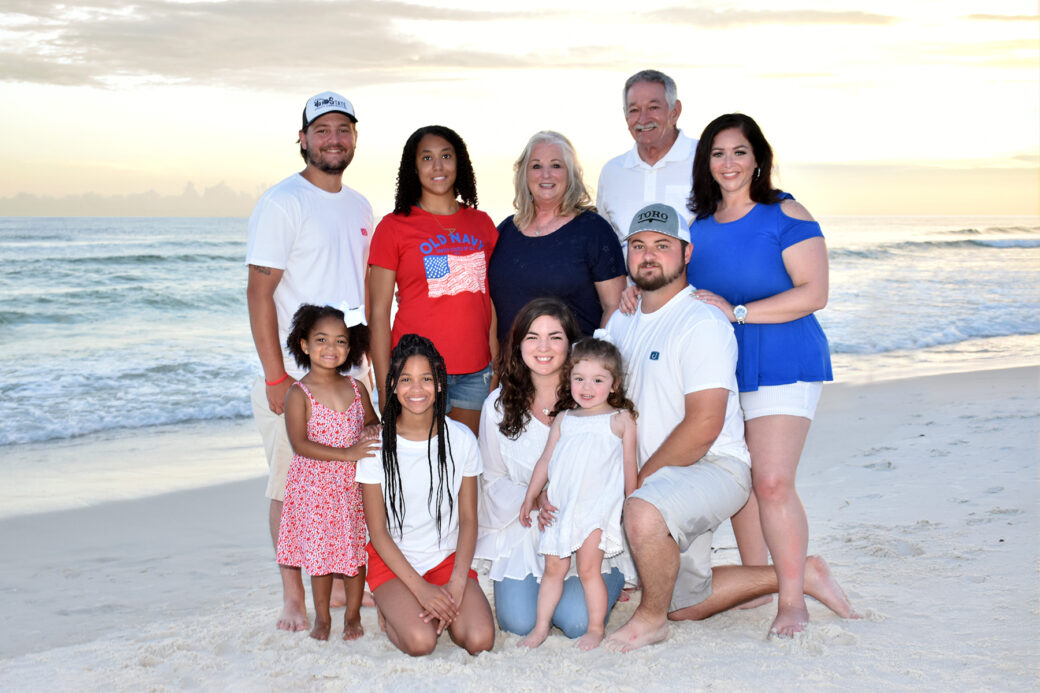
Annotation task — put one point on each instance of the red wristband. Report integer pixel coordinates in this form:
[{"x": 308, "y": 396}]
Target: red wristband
[{"x": 276, "y": 382}]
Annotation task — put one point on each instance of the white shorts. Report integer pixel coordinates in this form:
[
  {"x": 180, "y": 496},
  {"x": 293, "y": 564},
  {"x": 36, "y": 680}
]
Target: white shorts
[
  {"x": 793, "y": 399},
  {"x": 276, "y": 440},
  {"x": 694, "y": 500}
]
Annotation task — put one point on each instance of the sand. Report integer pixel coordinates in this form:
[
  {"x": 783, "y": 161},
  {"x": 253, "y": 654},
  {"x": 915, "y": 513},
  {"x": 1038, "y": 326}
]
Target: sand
[{"x": 921, "y": 493}]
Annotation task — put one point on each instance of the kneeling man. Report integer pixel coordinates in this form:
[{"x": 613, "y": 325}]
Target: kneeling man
[{"x": 695, "y": 472}]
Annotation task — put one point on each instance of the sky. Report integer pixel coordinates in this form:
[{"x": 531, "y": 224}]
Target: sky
[{"x": 191, "y": 108}]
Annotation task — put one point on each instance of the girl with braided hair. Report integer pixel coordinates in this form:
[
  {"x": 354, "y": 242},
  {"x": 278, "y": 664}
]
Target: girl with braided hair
[{"x": 420, "y": 499}]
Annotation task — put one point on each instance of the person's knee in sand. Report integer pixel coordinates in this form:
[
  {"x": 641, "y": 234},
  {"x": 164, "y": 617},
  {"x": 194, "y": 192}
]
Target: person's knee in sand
[{"x": 695, "y": 469}]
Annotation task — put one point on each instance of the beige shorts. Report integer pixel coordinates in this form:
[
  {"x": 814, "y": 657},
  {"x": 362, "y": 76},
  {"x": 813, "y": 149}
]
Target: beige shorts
[
  {"x": 276, "y": 440},
  {"x": 694, "y": 501}
]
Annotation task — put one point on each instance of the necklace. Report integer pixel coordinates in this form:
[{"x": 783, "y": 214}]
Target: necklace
[
  {"x": 539, "y": 230},
  {"x": 445, "y": 229}
]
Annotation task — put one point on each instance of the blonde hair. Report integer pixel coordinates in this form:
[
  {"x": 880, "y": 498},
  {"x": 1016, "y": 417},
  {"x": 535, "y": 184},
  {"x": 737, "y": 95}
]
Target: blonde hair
[{"x": 576, "y": 198}]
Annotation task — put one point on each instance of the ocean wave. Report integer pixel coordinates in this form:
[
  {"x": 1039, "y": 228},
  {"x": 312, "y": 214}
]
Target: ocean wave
[
  {"x": 63, "y": 430},
  {"x": 987, "y": 230},
  {"x": 883, "y": 250},
  {"x": 146, "y": 259},
  {"x": 951, "y": 334},
  {"x": 1009, "y": 243},
  {"x": 118, "y": 391}
]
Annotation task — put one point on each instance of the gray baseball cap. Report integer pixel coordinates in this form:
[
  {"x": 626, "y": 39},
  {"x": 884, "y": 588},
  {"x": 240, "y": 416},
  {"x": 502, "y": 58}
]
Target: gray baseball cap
[{"x": 659, "y": 218}]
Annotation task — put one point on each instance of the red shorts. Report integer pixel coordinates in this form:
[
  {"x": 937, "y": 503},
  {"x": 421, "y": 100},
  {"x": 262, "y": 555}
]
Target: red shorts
[{"x": 379, "y": 572}]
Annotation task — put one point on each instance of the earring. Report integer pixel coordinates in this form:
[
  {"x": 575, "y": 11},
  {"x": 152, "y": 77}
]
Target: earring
[{"x": 758, "y": 172}]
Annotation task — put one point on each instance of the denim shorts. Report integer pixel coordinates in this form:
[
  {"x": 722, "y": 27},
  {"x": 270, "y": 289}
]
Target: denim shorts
[{"x": 469, "y": 390}]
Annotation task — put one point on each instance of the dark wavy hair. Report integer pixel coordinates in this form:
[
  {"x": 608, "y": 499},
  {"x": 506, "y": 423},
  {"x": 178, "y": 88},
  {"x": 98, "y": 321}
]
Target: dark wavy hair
[
  {"x": 705, "y": 196},
  {"x": 592, "y": 349},
  {"x": 514, "y": 377},
  {"x": 393, "y": 493},
  {"x": 409, "y": 190},
  {"x": 303, "y": 322}
]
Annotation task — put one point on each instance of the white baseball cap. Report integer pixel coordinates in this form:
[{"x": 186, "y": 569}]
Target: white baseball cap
[{"x": 326, "y": 102}]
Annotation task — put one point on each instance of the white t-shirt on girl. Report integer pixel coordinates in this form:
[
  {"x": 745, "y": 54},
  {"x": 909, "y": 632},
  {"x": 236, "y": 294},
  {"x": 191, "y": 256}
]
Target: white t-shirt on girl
[{"x": 418, "y": 537}]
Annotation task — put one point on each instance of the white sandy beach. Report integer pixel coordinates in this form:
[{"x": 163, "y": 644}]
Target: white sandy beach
[{"x": 922, "y": 494}]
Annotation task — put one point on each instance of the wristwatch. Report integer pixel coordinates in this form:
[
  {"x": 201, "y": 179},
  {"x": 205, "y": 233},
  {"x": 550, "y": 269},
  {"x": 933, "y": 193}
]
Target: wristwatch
[{"x": 740, "y": 313}]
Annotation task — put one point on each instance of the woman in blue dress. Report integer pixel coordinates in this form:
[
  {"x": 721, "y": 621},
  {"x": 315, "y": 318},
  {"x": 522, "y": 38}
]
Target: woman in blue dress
[{"x": 760, "y": 258}]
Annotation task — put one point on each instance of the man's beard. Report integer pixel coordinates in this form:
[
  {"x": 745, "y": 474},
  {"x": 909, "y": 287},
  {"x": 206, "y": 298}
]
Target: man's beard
[
  {"x": 322, "y": 165},
  {"x": 658, "y": 281}
]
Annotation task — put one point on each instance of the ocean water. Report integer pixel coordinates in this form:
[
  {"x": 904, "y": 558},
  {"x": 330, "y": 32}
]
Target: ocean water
[{"x": 129, "y": 323}]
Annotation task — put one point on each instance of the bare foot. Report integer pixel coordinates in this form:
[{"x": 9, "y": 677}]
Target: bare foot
[
  {"x": 367, "y": 599},
  {"x": 590, "y": 641},
  {"x": 637, "y": 633},
  {"x": 757, "y": 602},
  {"x": 626, "y": 594},
  {"x": 821, "y": 585},
  {"x": 790, "y": 619},
  {"x": 321, "y": 629},
  {"x": 339, "y": 593},
  {"x": 352, "y": 629},
  {"x": 535, "y": 638},
  {"x": 293, "y": 617}
]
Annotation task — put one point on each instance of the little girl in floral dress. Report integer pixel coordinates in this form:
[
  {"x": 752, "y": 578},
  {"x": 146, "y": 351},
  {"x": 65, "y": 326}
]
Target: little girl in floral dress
[{"x": 331, "y": 424}]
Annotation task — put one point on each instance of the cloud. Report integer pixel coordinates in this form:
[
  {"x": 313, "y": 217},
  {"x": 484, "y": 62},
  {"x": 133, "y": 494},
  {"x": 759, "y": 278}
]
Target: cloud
[
  {"x": 1006, "y": 17},
  {"x": 216, "y": 201},
  {"x": 254, "y": 43},
  {"x": 1012, "y": 54},
  {"x": 269, "y": 44},
  {"x": 707, "y": 18}
]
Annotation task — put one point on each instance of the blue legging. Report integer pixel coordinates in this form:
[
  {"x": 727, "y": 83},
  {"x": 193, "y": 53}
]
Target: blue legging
[{"x": 516, "y": 602}]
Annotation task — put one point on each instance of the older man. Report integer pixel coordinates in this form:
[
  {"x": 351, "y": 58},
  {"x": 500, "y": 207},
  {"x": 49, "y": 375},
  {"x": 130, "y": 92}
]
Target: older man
[
  {"x": 659, "y": 167},
  {"x": 694, "y": 469},
  {"x": 308, "y": 243}
]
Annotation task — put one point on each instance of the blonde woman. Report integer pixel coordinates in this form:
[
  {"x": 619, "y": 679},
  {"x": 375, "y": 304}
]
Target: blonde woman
[{"x": 556, "y": 244}]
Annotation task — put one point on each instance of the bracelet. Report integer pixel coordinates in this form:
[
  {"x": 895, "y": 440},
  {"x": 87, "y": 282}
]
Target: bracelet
[{"x": 276, "y": 382}]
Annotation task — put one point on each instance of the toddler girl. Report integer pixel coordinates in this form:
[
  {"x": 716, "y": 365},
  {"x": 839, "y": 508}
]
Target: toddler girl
[
  {"x": 590, "y": 465},
  {"x": 323, "y": 523},
  {"x": 421, "y": 506}
]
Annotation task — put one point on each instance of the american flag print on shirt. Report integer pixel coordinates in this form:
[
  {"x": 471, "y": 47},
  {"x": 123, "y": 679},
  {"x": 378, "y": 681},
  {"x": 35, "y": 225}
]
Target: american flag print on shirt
[{"x": 448, "y": 275}]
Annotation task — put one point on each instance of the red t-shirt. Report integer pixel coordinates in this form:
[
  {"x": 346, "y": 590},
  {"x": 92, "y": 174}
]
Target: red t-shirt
[{"x": 441, "y": 265}]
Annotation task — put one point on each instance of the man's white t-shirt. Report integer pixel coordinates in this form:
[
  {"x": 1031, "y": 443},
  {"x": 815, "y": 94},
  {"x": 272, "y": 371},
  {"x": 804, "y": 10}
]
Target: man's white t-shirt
[
  {"x": 319, "y": 239},
  {"x": 685, "y": 346},
  {"x": 627, "y": 184},
  {"x": 418, "y": 537}
]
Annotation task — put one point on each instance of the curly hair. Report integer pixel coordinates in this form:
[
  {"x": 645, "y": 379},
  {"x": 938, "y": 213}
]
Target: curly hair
[
  {"x": 303, "y": 322},
  {"x": 393, "y": 492},
  {"x": 409, "y": 189},
  {"x": 576, "y": 198},
  {"x": 514, "y": 377},
  {"x": 592, "y": 349},
  {"x": 706, "y": 194}
]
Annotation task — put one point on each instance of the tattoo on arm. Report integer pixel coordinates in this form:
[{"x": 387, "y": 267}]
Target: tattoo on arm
[{"x": 261, "y": 270}]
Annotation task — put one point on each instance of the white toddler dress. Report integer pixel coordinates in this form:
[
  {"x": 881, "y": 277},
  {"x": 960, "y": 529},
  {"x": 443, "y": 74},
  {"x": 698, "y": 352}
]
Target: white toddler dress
[{"x": 587, "y": 485}]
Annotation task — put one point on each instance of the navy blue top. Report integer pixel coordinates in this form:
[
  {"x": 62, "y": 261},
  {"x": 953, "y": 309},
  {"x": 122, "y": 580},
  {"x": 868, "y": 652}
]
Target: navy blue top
[
  {"x": 742, "y": 262},
  {"x": 566, "y": 264}
]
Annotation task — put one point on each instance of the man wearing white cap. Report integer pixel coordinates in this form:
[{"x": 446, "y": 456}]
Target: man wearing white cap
[
  {"x": 694, "y": 469},
  {"x": 308, "y": 243}
]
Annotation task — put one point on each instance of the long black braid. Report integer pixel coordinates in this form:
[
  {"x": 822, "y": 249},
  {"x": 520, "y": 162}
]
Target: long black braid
[{"x": 393, "y": 492}]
